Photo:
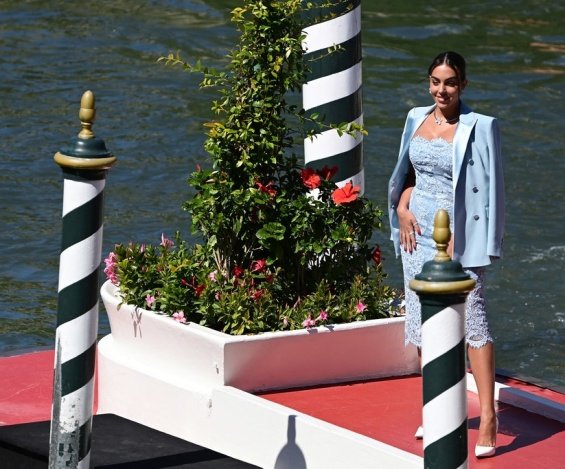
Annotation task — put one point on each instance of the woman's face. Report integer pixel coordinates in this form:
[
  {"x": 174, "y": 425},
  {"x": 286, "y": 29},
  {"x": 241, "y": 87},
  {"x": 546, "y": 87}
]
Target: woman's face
[{"x": 445, "y": 87}]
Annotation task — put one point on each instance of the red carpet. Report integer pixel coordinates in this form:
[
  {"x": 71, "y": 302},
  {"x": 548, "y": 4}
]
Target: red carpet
[{"x": 387, "y": 410}]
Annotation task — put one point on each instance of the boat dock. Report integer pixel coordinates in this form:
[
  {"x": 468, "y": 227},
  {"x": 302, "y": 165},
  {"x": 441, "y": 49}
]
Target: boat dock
[{"x": 531, "y": 433}]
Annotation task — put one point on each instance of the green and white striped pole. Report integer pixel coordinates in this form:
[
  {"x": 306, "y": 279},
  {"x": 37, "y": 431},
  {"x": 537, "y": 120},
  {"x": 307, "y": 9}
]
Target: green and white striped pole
[
  {"x": 84, "y": 162},
  {"x": 334, "y": 87},
  {"x": 442, "y": 286}
]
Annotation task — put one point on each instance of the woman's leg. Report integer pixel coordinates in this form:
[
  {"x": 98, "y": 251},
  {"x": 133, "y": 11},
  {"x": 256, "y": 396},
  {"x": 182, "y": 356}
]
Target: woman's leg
[
  {"x": 482, "y": 366},
  {"x": 480, "y": 351}
]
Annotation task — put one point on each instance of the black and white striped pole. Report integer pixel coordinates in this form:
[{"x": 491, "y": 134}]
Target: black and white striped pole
[
  {"x": 442, "y": 287},
  {"x": 333, "y": 90},
  {"x": 84, "y": 162}
]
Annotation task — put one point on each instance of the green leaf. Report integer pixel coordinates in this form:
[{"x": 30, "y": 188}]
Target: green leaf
[{"x": 273, "y": 230}]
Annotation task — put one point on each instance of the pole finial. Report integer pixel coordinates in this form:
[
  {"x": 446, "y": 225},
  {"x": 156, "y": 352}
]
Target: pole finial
[
  {"x": 441, "y": 235},
  {"x": 442, "y": 275},
  {"x": 87, "y": 114},
  {"x": 86, "y": 152}
]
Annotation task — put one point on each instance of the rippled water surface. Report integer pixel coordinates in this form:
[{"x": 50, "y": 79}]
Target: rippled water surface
[{"x": 151, "y": 119}]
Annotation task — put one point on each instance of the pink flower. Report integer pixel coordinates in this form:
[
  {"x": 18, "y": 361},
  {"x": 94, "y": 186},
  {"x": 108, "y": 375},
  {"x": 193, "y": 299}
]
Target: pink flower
[
  {"x": 258, "y": 266},
  {"x": 110, "y": 270},
  {"x": 285, "y": 321},
  {"x": 111, "y": 259},
  {"x": 213, "y": 276},
  {"x": 310, "y": 178},
  {"x": 150, "y": 300},
  {"x": 323, "y": 316},
  {"x": 166, "y": 242},
  {"x": 179, "y": 317},
  {"x": 308, "y": 322},
  {"x": 361, "y": 307}
]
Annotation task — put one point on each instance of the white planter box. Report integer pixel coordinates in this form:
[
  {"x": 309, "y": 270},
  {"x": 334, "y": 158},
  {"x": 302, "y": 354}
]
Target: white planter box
[
  {"x": 196, "y": 384},
  {"x": 200, "y": 356}
]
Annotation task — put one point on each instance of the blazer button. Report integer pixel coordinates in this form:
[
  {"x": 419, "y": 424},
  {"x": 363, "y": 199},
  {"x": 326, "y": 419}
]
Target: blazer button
[
  {"x": 471, "y": 162},
  {"x": 476, "y": 217},
  {"x": 475, "y": 190}
]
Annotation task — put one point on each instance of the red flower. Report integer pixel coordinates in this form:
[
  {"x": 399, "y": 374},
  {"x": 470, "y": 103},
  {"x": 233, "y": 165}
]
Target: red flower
[
  {"x": 268, "y": 189},
  {"x": 346, "y": 194},
  {"x": 238, "y": 271},
  {"x": 258, "y": 266},
  {"x": 377, "y": 254},
  {"x": 310, "y": 178},
  {"x": 257, "y": 294},
  {"x": 198, "y": 290},
  {"x": 327, "y": 173}
]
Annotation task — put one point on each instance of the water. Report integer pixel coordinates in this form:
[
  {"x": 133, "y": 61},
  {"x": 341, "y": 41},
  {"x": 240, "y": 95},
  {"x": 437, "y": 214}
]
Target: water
[{"x": 151, "y": 118}]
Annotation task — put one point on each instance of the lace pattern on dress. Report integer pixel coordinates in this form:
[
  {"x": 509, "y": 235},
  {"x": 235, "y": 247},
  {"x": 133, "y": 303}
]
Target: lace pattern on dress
[
  {"x": 477, "y": 331},
  {"x": 432, "y": 162}
]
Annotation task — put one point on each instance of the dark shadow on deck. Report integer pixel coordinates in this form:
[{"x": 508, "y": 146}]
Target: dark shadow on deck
[{"x": 117, "y": 443}]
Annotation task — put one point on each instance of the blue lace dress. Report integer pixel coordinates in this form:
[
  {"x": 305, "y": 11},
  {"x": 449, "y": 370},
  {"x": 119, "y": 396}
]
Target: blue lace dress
[{"x": 432, "y": 162}]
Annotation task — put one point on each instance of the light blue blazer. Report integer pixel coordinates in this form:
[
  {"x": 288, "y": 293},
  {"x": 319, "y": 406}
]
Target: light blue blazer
[{"x": 478, "y": 186}]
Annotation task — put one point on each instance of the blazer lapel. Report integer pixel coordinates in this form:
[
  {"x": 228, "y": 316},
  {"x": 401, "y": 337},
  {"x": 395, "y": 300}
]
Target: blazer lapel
[
  {"x": 415, "y": 123},
  {"x": 467, "y": 120}
]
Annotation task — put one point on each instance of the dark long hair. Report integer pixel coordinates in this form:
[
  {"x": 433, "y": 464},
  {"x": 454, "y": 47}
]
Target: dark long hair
[{"x": 453, "y": 60}]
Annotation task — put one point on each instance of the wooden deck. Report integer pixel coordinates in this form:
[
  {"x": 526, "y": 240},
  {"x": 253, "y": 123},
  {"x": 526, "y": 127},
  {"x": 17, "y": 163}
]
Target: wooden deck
[{"x": 387, "y": 410}]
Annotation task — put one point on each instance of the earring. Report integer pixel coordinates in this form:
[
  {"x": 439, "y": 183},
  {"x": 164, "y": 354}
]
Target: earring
[{"x": 430, "y": 91}]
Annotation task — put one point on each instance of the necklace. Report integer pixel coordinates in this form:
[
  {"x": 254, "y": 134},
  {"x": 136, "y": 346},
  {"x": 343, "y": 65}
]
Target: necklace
[{"x": 447, "y": 121}]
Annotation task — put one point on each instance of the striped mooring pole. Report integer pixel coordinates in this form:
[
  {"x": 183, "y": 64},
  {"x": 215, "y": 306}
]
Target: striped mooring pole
[
  {"x": 442, "y": 287},
  {"x": 84, "y": 162},
  {"x": 334, "y": 86}
]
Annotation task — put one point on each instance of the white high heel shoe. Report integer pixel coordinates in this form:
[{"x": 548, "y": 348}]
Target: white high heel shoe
[
  {"x": 419, "y": 433},
  {"x": 486, "y": 451}
]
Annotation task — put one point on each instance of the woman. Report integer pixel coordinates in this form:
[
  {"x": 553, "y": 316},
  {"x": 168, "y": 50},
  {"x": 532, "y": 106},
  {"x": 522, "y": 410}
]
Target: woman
[{"x": 450, "y": 158}]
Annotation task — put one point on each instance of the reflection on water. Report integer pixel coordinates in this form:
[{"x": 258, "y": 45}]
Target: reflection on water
[{"x": 151, "y": 118}]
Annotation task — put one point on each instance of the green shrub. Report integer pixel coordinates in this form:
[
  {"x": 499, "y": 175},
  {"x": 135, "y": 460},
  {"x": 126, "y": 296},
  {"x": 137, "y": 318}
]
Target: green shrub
[{"x": 282, "y": 246}]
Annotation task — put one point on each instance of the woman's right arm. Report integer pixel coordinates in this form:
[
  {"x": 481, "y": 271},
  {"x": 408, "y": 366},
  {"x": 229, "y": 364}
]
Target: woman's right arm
[{"x": 406, "y": 220}]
